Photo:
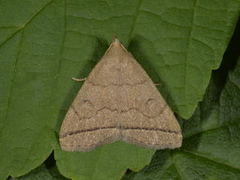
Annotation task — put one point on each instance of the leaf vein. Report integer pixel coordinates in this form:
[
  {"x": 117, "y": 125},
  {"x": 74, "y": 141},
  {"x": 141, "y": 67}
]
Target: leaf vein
[
  {"x": 28, "y": 22},
  {"x": 135, "y": 19}
]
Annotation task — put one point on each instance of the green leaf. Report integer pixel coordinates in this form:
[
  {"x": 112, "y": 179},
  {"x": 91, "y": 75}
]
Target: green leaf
[
  {"x": 28, "y": 60},
  {"x": 42, "y": 173},
  {"x": 183, "y": 41},
  {"x": 44, "y": 43},
  {"x": 212, "y": 140},
  {"x": 107, "y": 162}
]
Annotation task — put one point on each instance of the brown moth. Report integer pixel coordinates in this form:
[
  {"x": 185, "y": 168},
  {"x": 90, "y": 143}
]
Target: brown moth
[{"x": 118, "y": 101}]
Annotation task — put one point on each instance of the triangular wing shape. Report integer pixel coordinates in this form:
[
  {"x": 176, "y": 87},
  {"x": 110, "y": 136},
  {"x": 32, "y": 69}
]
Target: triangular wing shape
[{"x": 119, "y": 101}]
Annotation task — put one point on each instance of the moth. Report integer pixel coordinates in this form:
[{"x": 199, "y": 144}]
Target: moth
[{"x": 118, "y": 101}]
